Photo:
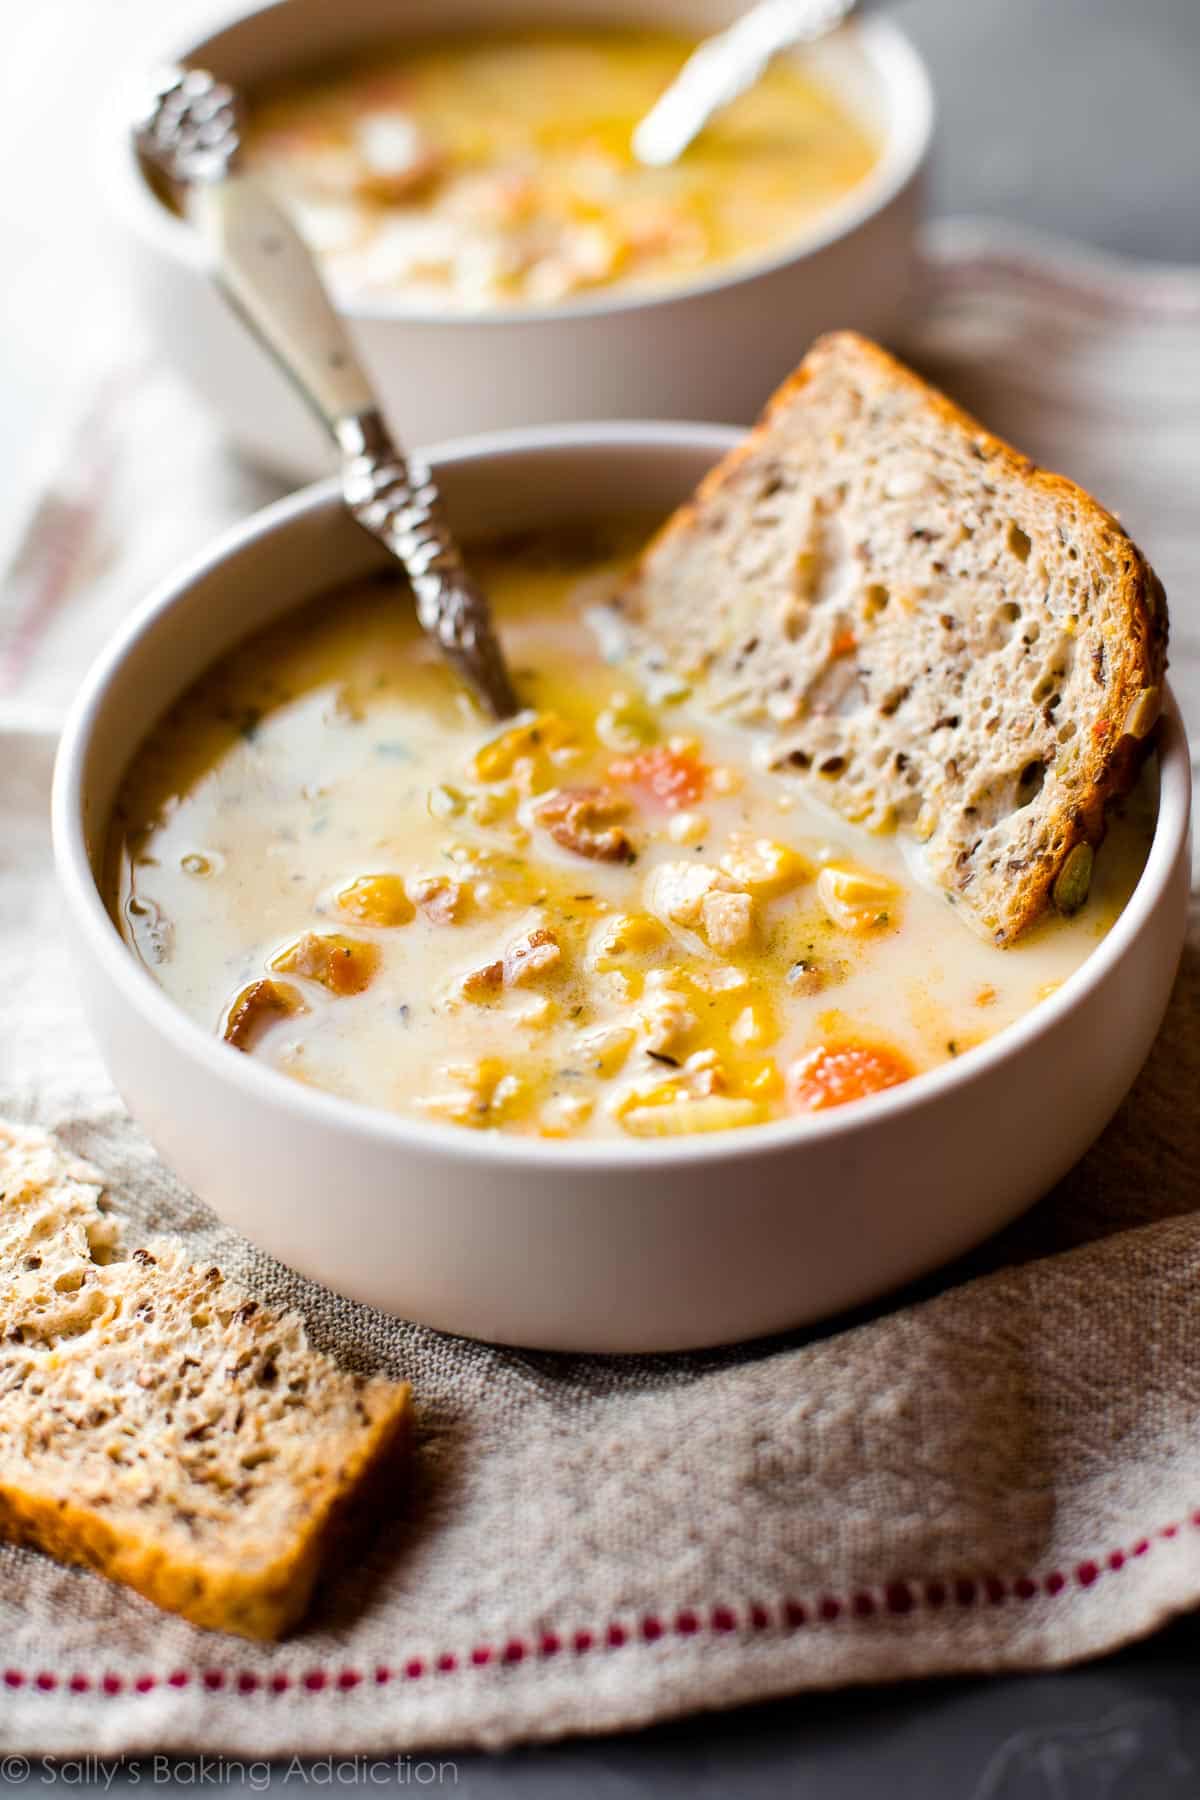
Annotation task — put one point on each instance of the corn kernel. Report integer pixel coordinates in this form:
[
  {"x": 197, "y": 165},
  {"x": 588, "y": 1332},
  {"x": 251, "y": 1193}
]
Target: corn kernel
[
  {"x": 856, "y": 900},
  {"x": 536, "y": 1013},
  {"x": 687, "y": 828},
  {"x": 749, "y": 1028},
  {"x": 606, "y": 1047},
  {"x": 625, "y": 724},
  {"x": 377, "y": 900},
  {"x": 544, "y": 732},
  {"x": 764, "y": 866},
  {"x": 764, "y": 1082},
  {"x": 444, "y": 802},
  {"x": 626, "y": 935}
]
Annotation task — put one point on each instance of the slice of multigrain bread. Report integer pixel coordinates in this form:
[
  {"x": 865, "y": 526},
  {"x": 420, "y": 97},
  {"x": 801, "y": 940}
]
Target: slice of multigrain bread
[
  {"x": 159, "y": 1424},
  {"x": 947, "y": 638}
]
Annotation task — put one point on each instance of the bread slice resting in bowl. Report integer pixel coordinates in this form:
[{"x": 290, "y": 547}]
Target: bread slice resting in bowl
[{"x": 942, "y": 637}]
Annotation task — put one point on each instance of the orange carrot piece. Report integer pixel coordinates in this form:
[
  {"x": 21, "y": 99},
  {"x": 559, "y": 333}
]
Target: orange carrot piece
[
  {"x": 674, "y": 778},
  {"x": 831, "y": 1076}
]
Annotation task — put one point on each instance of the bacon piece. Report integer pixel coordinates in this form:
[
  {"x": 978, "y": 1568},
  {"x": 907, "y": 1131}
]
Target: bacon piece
[
  {"x": 584, "y": 820},
  {"x": 256, "y": 1009}
]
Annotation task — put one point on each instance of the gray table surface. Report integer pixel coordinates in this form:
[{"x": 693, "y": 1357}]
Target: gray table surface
[{"x": 1079, "y": 116}]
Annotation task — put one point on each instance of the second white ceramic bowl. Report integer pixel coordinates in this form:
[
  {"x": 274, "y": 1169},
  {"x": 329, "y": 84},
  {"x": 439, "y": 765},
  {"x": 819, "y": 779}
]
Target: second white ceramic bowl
[
  {"x": 712, "y": 350},
  {"x": 606, "y": 1246}
]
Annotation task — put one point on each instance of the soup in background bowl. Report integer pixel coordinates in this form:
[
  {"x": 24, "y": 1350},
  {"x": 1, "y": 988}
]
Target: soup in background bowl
[
  {"x": 511, "y": 332},
  {"x": 496, "y": 169},
  {"x": 601, "y": 1243}
]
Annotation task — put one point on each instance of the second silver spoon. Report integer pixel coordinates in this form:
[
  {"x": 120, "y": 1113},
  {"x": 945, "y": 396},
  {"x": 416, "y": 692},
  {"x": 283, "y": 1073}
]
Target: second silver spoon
[{"x": 724, "y": 66}]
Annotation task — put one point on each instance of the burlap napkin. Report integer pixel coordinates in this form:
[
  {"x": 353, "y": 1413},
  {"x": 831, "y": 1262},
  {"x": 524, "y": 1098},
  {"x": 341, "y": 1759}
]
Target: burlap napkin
[{"x": 1002, "y": 1471}]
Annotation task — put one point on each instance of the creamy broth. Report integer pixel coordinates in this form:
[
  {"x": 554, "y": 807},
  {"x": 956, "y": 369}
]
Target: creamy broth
[
  {"x": 493, "y": 170},
  {"x": 605, "y": 919}
]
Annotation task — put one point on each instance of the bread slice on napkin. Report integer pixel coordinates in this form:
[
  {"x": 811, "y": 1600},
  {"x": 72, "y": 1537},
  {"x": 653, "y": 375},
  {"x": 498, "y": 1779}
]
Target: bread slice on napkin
[
  {"x": 943, "y": 636},
  {"x": 156, "y": 1422}
]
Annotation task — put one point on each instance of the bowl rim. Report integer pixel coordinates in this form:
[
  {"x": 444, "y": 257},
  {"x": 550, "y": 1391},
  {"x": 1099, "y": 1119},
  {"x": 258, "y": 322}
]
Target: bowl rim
[
  {"x": 888, "y": 49},
  {"x": 157, "y": 1013}
]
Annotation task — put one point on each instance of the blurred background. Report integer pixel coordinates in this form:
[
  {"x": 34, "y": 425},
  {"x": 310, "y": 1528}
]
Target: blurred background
[{"x": 1075, "y": 116}]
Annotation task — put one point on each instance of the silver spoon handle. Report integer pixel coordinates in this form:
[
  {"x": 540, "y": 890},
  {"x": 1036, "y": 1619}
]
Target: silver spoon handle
[
  {"x": 269, "y": 275},
  {"x": 724, "y": 66},
  {"x": 267, "y": 271},
  {"x": 396, "y": 498}
]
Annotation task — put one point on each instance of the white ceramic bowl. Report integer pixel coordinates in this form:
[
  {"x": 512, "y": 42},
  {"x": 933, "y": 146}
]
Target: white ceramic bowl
[
  {"x": 607, "y": 1246},
  {"x": 713, "y": 350}
]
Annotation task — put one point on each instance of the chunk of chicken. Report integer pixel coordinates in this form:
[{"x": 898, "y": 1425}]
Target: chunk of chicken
[
  {"x": 703, "y": 899},
  {"x": 675, "y": 891},
  {"x": 665, "y": 1021},
  {"x": 727, "y": 921}
]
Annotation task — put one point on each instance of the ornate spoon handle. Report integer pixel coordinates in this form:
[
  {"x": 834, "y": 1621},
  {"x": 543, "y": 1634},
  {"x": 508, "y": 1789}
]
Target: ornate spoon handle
[
  {"x": 191, "y": 132},
  {"x": 396, "y": 498}
]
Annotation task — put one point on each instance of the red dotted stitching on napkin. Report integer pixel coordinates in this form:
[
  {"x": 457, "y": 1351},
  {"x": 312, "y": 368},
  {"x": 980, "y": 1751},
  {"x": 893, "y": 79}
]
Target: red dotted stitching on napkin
[{"x": 897, "y": 1598}]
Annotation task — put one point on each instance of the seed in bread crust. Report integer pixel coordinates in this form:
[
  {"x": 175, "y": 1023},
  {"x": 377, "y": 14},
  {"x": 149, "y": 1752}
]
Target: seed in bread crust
[
  {"x": 1142, "y": 716},
  {"x": 1074, "y": 879}
]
